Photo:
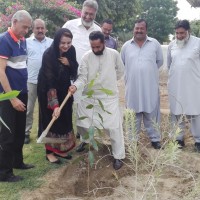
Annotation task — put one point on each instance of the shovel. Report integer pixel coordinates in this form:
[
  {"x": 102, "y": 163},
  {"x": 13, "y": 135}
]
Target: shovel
[{"x": 43, "y": 138}]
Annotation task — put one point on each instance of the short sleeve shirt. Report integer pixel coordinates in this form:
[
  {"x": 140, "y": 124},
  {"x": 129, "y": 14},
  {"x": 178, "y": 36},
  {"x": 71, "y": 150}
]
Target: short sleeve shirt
[{"x": 14, "y": 51}]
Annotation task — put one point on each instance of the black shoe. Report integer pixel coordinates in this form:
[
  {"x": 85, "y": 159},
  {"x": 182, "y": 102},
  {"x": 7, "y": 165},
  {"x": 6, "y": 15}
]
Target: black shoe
[
  {"x": 197, "y": 147},
  {"x": 81, "y": 147},
  {"x": 54, "y": 162},
  {"x": 68, "y": 157},
  {"x": 77, "y": 135},
  {"x": 11, "y": 179},
  {"x": 27, "y": 139},
  {"x": 24, "y": 166},
  {"x": 117, "y": 164},
  {"x": 181, "y": 143},
  {"x": 156, "y": 145}
]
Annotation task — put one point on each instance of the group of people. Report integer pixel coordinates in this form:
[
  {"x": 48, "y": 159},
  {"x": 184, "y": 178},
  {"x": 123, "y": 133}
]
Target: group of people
[{"x": 80, "y": 52}]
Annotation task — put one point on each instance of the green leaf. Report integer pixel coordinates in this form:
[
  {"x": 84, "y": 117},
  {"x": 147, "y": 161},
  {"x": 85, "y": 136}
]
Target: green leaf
[
  {"x": 91, "y": 131},
  {"x": 106, "y": 91},
  {"x": 108, "y": 112},
  {"x": 91, "y": 84},
  {"x": 9, "y": 95},
  {"x": 90, "y": 106},
  {"x": 82, "y": 118},
  {"x": 1, "y": 120},
  {"x": 100, "y": 117},
  {"x": 101, "y": 104},
  {"x": 101, "y": 125},
  {"x": 94, "y": 144},
  {"x": 91, "y": 158},
  {"x": 90, "y": 93}
]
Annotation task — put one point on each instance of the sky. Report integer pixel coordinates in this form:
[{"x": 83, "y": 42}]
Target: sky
[{"x": 186, "y": 11}]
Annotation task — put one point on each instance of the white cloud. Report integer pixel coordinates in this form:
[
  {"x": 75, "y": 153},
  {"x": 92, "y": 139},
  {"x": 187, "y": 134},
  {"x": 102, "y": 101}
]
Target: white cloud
[{"x": 186, "y": 11}]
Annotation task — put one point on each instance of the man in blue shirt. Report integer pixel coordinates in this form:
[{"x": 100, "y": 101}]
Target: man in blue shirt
[
  {"x": 36, "y": 45},
  {"x": 13, "y": 76}
]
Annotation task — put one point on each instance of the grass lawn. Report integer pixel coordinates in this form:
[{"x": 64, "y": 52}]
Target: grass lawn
[{"x": 34, "y": 154}]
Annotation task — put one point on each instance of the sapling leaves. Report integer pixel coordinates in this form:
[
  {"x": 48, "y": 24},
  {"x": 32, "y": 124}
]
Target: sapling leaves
[{"x": 9, "y": 95}]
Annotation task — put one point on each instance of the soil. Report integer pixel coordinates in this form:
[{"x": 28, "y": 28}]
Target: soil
[{"x": 180, "y": 180}]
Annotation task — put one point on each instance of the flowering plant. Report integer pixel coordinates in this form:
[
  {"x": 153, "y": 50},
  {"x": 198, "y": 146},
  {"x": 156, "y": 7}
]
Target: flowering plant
[{"x": 54, "y": 12}]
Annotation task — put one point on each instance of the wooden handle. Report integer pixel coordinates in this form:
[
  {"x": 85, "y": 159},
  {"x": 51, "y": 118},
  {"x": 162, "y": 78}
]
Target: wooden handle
[
  {"x": 65, "y": 100},
  {"x": 60, "y": 108}
]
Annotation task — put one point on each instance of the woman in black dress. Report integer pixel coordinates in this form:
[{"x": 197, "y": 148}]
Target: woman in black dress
[{"x": 59, "y": 67}]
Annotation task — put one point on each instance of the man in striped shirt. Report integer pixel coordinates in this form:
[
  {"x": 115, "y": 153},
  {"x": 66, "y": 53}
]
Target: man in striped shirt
[{"x": 13, "y": 76}]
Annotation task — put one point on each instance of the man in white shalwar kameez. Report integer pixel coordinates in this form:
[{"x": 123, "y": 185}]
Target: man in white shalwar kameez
[
  {"x": 105, "y": 66},
  {"x": 184, "y": 81},
  {"x": 142, "y": 57}
]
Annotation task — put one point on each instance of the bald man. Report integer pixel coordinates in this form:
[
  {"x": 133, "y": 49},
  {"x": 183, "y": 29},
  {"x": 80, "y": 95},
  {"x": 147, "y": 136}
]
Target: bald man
[{"x": 13, "y": 76}]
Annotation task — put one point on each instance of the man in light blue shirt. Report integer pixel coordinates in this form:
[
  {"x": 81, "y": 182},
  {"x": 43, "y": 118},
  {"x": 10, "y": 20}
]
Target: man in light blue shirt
[
  {"x": 142, "y": 57},
  {"x": 36, "y": 45}
]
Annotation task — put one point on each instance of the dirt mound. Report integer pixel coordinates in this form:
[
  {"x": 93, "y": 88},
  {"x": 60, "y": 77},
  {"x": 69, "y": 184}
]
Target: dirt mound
[
  {"x": 104, "y": 183},
  {"x": 75, "y": 179}
]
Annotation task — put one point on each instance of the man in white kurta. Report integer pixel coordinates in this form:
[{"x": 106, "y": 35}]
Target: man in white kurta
[
  {"x": 105, "y": 66},
  {"x": 142, "y": 57},
  {"x": 184, "y": 81},
  {"x": 81, "y": 28}
]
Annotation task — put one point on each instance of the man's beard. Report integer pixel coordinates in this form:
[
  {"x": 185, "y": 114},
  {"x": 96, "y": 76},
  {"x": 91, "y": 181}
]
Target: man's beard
[
  {"x": 99, "y": 53},
  {"x": 181, "y": 43},
  {"x": 87, "y": 24}
]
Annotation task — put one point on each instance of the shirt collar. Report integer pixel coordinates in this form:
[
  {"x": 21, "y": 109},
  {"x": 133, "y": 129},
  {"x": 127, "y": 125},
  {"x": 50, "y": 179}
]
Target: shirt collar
[
  {"x": 147, "y": 39},
  {"x": 34, "y": 38},
  {"x": 13, "y": 36}
]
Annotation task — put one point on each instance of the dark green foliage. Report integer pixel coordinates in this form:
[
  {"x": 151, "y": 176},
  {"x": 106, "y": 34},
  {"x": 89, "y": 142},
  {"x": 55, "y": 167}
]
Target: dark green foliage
[
  {"x": 123, "y": 13},
  {"x": 161, "y": 17},
  {"x": 195, "y": 27}
]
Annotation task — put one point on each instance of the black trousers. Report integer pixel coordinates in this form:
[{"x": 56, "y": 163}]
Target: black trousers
[{"x": 11, "y": 142}]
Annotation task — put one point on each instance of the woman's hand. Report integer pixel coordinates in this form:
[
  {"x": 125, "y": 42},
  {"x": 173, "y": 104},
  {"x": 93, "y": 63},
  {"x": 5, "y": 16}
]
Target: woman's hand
[
  {"x": 56, "y": 112},
  {"x": 64, "y": 60}
]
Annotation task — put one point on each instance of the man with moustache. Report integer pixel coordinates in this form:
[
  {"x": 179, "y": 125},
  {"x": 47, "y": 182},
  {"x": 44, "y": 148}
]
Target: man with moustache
[
  {"x": 142, "y": 57},
  {"x": 105, "y": 66},
  {"x": 183, "y": 61},
  {"x": 81, "y": 28},
  {"x": 13, "y": 76},
  {"x": 36, "y": 45},
  {"x": 107, "y": 27}
]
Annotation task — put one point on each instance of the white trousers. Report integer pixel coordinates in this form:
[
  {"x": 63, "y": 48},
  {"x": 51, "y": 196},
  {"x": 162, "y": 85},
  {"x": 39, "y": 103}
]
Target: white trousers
[
  {"x": 194, "y": 121},
  {"x": 116, "y": 139},
  {"x": 32, "y": 96}
]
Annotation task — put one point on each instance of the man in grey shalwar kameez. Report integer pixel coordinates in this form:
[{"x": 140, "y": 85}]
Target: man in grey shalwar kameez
[
  {"x": 142, "y": 57},
  {"x": 184, "y": 81},
  {"x": 107, "y": 65}
]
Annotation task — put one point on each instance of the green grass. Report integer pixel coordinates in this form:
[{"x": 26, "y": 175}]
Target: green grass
[{"x": 34, "y": 154}]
